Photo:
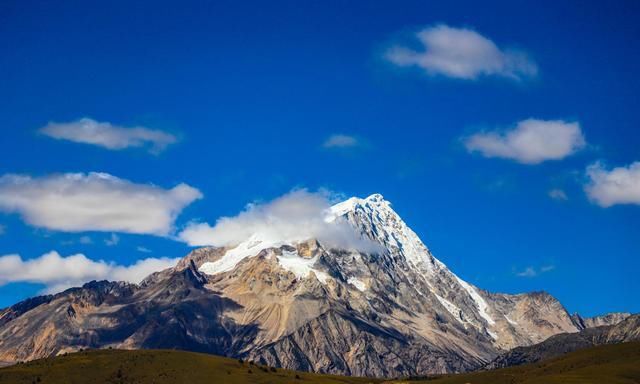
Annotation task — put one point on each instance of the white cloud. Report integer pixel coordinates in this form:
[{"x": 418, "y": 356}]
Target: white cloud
[
  {"x": 528, "y": 272},
  {"x": 341, "y": 141},
  {"x": 531, "y": 141},
  {"x": 296, "y": 216},
  {"x": 106, "y": 135},
  {"x": 85, "y": 240},
  {"x": 533, "y": 272},
  {"x": 76, "y": 202},
  {"x": 57, "y": 272},
  {"x": 620, "y": 185},
  {"x": 201, "y": 234},
  {"x": 143, "y": 249},
  {"x": 461, "y": 53},
  {"x": 558, "y": 194}
]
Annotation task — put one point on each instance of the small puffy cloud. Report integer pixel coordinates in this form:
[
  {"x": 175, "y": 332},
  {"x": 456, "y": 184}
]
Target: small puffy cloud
[
  {"x": 531, "y": 141},
  {"x": 620, "y": 185},
  {"x": 340, "y": 141},
  {"x": 461, "y": 53},
  {"x": 558, "y": 194},
  {"x": 106, "y": 135},
  {"x": 76, "y": 202},
  {"x": 296, "y": 216},
  {"x": 533, "y": 272},
  {"x": 58, "y": 272},
  {"x": 143, "y": 249}
]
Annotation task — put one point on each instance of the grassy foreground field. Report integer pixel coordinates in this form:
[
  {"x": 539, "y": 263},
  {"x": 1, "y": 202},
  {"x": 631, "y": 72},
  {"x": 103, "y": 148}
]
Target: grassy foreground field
[
  {"x": 600, "y": 365},
  {"x": 607, "y": 364},
  {"x": 155, "y": 366}
]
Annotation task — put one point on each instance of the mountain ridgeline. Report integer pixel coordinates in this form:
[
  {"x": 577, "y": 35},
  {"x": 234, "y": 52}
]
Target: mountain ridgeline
[
  {"x": 627, "y": 330},
  {"x": 301, "y": 305}
]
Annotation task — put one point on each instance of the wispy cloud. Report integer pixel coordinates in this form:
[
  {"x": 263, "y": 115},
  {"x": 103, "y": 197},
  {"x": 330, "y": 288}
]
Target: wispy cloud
[
  {"x": 85, "y": 240},
  {"x": 76, "y": 202},
  {"x": 558, "y": 194},
  {"x": 341, "y": 141},
  {"x": 296, "y": 216},
  {"x": 143, "y": 249},
  {"x": 533, "y": 272},
  {"x": 109, "y": 136},
  {"x": 531, "y": 141},
  {"x": 112, "y": 240},
  {"x": 461, "y": 53},
  {"x": 620, "y": 185},
  {"x": 58, "y": 272}
]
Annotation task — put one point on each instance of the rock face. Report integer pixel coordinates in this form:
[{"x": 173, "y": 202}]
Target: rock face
[
  {"x": 625, "y": 331},
  {"x": 598, "y": 321},
  {"x": 393, "y": 310}
]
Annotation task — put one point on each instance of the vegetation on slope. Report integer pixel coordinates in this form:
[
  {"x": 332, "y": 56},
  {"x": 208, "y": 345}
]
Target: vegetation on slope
[
  {"x": 606, "y": 364},
  {"x": 158, "y": 367}
]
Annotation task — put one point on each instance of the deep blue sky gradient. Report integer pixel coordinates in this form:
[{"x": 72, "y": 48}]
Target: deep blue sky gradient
[{"x": 254, "y": 88}]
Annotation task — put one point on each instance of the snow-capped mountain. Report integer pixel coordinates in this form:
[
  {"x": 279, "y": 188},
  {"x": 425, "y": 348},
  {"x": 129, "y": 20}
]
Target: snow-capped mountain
[{"x": 388, "y": 308}]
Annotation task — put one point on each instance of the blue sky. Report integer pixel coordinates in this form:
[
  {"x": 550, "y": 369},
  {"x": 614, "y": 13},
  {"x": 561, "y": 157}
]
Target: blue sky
[{"x": 257, "y": 99}]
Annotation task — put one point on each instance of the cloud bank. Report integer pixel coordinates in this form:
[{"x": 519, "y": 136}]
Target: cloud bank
[
  {"x": 58, "y": 272},
  {"x": 461, "y": 53},
  {"x": 106, "y": 135},
  {"x": 76, "y": 202},
  {"x": 620, "y": 185},
  {"x": 296, "y": 216},
  {"x": 531, "y": 141}
]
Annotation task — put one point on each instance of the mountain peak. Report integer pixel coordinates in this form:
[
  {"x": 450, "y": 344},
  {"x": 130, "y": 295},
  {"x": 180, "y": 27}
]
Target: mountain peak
[
  {"x": 374, "y": 201},
  {"x": 376, "y": 197}
]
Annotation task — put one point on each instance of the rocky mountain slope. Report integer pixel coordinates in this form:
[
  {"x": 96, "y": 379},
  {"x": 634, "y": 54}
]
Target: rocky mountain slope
[
  {"x": 598, "y": 321},
  {"x": 389, "y": 309},
  {"x": 625, "y": 331}
]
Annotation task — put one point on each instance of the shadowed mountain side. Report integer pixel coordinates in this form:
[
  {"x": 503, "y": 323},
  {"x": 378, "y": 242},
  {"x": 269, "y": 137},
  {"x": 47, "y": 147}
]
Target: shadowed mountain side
[{"x": 177, "y": 313}]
